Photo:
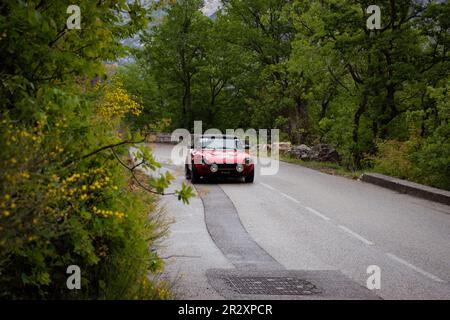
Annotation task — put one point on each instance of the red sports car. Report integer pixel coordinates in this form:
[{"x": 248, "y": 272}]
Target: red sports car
[{"x": 219, "y": 155}]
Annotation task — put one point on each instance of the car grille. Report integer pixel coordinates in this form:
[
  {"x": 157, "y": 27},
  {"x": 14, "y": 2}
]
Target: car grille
[{"x": 227, "y": 166}]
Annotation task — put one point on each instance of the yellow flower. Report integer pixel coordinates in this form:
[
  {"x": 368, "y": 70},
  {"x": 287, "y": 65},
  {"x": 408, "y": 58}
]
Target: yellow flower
[{"x": 6, "y": 213}]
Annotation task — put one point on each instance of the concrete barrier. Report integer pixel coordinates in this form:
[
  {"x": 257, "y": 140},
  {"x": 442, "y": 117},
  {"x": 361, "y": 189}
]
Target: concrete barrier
[{"x": 407, "y": 187}]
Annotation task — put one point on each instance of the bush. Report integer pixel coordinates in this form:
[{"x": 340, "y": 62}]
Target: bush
[
  {"x": 64, "y": 197},
  {"x": 392, "y": 159},
  {"x": 433, "y": 159},
  {"x": 59, "y": 209},
  {"x": 425, "y": 157},
  {"x": 425, "y": 161}
]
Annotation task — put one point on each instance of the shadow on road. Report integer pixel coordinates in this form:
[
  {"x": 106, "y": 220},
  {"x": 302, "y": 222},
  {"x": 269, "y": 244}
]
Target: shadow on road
[{"x": 224, "y": 180}]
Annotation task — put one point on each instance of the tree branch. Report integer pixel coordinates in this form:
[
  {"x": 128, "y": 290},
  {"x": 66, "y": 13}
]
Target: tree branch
[
  {"x": 110, "y": 146},
  {"x": 132, "y": 169}
]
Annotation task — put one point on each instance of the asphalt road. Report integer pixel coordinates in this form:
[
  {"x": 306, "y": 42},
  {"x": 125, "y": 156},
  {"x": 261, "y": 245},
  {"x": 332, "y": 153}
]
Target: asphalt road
[{"x": 307, "y": 221}]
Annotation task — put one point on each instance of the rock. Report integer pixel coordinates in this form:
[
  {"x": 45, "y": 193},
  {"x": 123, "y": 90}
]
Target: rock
[
  {"x": 283, "y": 147},
  {"x": 324, "y": 152},
  {"x": 319, "y": 152},
  {"x": 300, "y": 152}
]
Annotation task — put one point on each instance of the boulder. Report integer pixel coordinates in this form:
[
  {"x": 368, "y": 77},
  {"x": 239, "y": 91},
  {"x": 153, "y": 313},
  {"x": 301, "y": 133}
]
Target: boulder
[
  {"x": 324, "y": 152},
  {"x": 300, "y": 152},
  {"x": 319, "y": 152}
]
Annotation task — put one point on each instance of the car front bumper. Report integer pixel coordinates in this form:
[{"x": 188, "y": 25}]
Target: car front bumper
[{"x": 223, "y": 170}]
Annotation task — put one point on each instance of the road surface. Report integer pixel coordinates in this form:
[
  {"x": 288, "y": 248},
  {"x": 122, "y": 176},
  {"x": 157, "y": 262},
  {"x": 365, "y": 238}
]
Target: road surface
[{"x": 303, "y": 223}]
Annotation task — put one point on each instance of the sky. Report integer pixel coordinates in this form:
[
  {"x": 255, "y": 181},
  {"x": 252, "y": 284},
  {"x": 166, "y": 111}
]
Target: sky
[{"x": 210, "y": 7}]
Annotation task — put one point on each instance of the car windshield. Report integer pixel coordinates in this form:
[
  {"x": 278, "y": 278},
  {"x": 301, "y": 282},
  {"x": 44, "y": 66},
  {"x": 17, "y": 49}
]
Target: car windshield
[{"x": 220, "y": 144}]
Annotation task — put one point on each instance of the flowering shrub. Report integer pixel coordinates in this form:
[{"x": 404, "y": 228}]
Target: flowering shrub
[
  {"x": 65, "y": 199},
  {"x": 58, "y": 208},
  {"x": 117, "y": 102}
]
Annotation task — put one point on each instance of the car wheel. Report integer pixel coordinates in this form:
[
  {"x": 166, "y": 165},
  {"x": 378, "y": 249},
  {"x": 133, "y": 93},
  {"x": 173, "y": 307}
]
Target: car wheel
[
  {"x": 187, "y": 172},
  {"x": 194, "y": 176},
  {"x": 250, "y": 177}
]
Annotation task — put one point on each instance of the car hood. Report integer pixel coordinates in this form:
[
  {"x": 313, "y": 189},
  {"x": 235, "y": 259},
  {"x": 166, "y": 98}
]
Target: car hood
[{"x": 223, "y": 156}]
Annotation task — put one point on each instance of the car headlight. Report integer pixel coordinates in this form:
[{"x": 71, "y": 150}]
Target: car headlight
[
  {"x": 214, "y": 167},
  {"x": 239, "y": 167}
]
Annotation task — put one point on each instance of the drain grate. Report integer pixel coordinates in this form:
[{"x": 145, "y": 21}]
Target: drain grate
[{"x": 271, "y": 285}]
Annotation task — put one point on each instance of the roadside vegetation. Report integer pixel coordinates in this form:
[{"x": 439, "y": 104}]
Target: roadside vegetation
[
  {"x": 312, "y": 70},
  {"x": 323, "y": 166},
  {"x": 65, "y": 198},
  {"x": 69, "y": 194}
]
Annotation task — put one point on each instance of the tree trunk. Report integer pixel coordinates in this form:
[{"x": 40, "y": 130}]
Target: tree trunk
[
  {"x": 187, "y": 103},
  {"x": 299, "y": 122},
  {"x": 357, "y": 152}
]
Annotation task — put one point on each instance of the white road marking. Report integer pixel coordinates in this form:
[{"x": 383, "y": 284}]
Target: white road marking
[
  {"x": 289, "y": 197},
  {"x": 357, "y": 236},
  {"x": 282, "y": 193},
  {"x": 267, "y": 186},
  {"x": 317, "y": 213},
  {"x": 417, "y": 269}
]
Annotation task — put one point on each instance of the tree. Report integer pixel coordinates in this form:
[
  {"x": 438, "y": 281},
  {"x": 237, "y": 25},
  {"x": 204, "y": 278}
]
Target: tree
[
  {"x": 175, "y": 51},
  {"x": 263, "y": 30},
  {"x": 381, "y": 64}
]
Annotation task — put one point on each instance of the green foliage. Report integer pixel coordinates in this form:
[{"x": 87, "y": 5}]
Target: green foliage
[
  {"x": 393, "y": 159},
  {"x": 313, "y": 70},
  {"x": 425, "y": 156},
  {"x": 432, "y": 158},
  {"x": 174, "y": 54},
  {"x": 64, "y": 197},
  {"x": 143, "y": 88},
  {"x": 55, "y": 212},
  {"x": 185, "y": 193}
]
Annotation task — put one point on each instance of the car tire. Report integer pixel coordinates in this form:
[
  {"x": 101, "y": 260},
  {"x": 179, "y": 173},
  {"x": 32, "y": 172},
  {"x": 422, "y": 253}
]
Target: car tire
[
  {"x": 194, "y": 176},
  {"x": 187, "y": 173},
  {"x": 250, "y": 177}
]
